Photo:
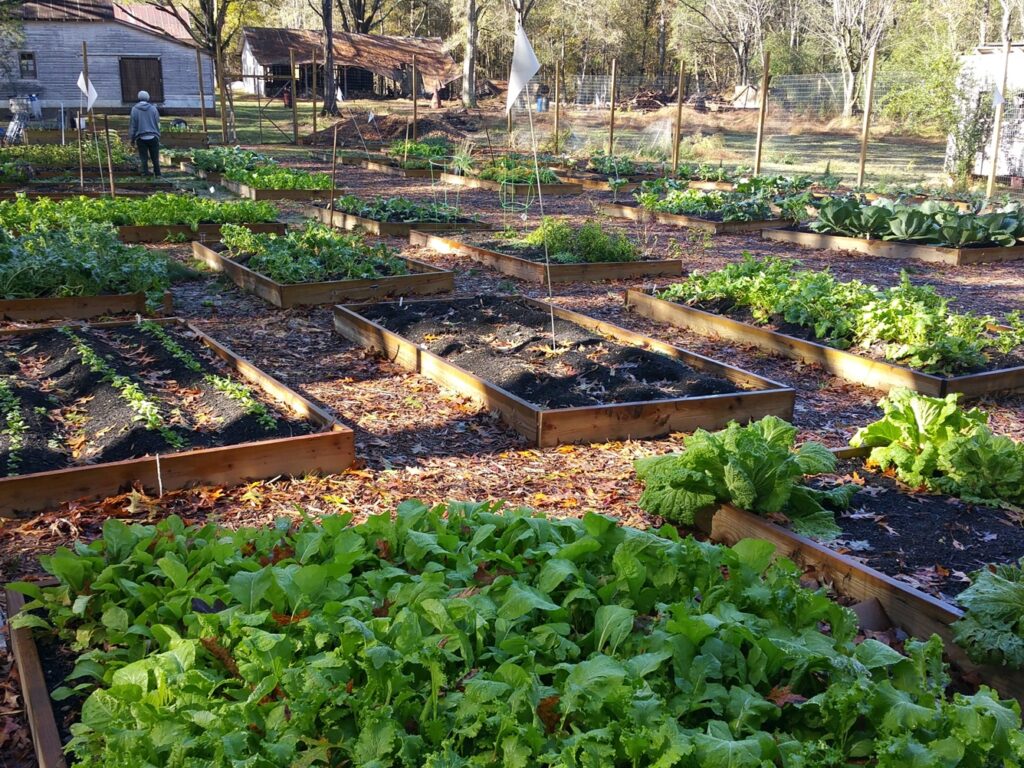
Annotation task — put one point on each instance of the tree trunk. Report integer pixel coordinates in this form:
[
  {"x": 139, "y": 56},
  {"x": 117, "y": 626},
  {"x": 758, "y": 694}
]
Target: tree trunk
[
  {"x": 330, "y": 95},
  {"x": 469, "y": 59},
  {"x": 849, "y": 91}
]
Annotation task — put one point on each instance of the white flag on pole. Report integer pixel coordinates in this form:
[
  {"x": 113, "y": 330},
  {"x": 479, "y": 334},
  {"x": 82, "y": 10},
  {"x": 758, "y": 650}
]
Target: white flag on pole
[
  {"x": 340, "y": 96},
  {"x": 997, "y": 96},
  {"x": 371, "y": 118},
  {"x": 88, "y": 90},
  {"x": 524, "y": 66}
]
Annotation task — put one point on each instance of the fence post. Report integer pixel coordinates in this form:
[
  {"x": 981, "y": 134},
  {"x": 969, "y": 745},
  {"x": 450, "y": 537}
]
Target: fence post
[
  {"x": 415, "y": 104},
  {"x": 762, "y": 112},
  {"x": 611, "y": 118},
  {"x": 558, "y": 106},
  {"x": 295, "y": 97},
  {"x": 314, "y": 90},
  {"x": 202, "y": 90},
  {"x": 869, "y": 98},
  {"x": 677, "y": 129},
  {"x": 998, "y": 122}
]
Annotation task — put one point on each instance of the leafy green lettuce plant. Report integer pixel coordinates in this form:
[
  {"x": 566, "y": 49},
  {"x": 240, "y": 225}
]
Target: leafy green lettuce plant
[
  {"x": 471, "y": 635},
  {"x": 935, "y": 444},
  {"x": 992, "y": 627},
  {"x": 587, "y": 243},
  {"x": 754, "y": 467}
]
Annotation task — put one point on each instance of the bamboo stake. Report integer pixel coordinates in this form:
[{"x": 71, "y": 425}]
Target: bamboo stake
[
  {"x": 314, "y": 90},
  {"x": 558, "y": 105},
  {"x": 865, "y": 131},
  {"x": 202, "y": 90},
  {"x": 678, "y": 128},
  {"x": 110, "y": 162},
  {"x": 611, "y": 119},
  {"x": 415, "y": 101},
  {"x": 92, "y": 122},
  {"x": 998, "y": 122},
  {"x": 508, "y": 125},
  {"x": 762, "y": 112},
  {"x": 295, "y": 99},
  {"x": 334, "y": 170}
]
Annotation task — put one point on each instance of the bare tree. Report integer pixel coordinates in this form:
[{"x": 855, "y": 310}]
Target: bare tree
[
  {"x": 361, "y": 15},
  {"x": 522, "y": 9},
  {"x": 739, "y": 25},
  {"x": 850, "y": 29},
  {"x": 471, "y": 21}
]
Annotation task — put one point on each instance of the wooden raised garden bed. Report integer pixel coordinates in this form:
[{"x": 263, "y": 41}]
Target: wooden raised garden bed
[
  {"x": 158, "y": 233},
  {"x": 214, "y": 177},
  {"x": 424, "y": 280},
  {"x": 343, "y": 220},
  {"x": 536, "y": 271},
  {"x": 861, "y": 369},
  {"x": 560, "y": 188},
  {"x": 636, "y": 213},
  {"x": 918, "y": 613},
  {"x": 322, "y": 445},
  {"x": 547, "y": 426},
  {"x": 75, "y": 307},
  {"x": 381, "y": 166},
  {"x": 184, "y": 139},
  {"x": 251, "y": 193},
  {"x": 893, "y": 250}
]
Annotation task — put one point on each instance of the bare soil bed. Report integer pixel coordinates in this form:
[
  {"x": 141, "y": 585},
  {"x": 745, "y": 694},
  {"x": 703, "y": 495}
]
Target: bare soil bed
[
  {"x": 929, "y": 541},
  {"x": 75, "y": 415},
  {"x": 508, "y": 342}
]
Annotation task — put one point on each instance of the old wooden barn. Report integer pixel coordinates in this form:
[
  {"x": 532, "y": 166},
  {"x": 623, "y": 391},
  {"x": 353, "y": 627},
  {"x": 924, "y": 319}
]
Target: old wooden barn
[
  {"x": 366, "y": 65},
  {"x": 130, "y": 48}
]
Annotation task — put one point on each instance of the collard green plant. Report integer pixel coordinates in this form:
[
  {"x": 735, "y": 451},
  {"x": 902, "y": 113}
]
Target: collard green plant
[
  {"x": 418, "y": 154},
  {"x": 469, "y": 635},
  {"x": 220, "y": 159},
  {"x": 756, "y": 468},
  {"x": 278, "y": 177}
]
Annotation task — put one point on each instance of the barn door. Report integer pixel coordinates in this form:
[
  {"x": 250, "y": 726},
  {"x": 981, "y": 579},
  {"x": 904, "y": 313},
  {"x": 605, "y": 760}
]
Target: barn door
[{"x": 141, "y": 74}]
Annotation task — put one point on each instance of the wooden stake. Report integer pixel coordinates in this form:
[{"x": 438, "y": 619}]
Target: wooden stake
[
  {"x": 334, "y": 169},
  {"x": 295, "y": 97},
  {"x": 869, "y": 99},
  {"x": 314, "y": 90},
  {"x": 81, "y": 155},
  {"x": 678, "y": 127},
  {"x": 110, "y": 162},
  {"x": 92, "y": 121},
  {"x": 611, "y": 118},
  {"x": 202, "y": 89},
  {"x": 415, "y": 104},
  {"x": 508, "y": 124},
  {"x": 762, "y": 112},
  {"x": 997, "y": 124}
]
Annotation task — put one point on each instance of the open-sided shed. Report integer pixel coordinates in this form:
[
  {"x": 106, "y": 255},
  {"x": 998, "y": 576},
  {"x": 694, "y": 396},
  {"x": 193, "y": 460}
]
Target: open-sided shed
[{"x": 366, "y": 64}]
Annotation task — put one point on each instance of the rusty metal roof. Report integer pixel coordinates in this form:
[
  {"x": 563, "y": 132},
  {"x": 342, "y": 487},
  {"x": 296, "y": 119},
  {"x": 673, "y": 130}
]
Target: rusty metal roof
[
  {"x": 383, "y": 55},
  {"x": 148, "y": 18}
]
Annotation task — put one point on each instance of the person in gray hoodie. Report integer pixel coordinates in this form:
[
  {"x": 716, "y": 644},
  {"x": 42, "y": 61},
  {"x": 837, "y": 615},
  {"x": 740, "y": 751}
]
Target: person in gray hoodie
[{"x": 144, "y": 132}]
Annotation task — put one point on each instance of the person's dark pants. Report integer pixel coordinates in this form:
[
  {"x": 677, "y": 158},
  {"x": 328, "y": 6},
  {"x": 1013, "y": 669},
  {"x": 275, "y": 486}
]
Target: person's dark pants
[{"x": 149, "y": 149}]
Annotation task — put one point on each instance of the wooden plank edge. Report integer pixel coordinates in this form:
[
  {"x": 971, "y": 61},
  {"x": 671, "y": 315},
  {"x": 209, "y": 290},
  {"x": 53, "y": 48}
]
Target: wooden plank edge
[
  {"x": 71, "y": 307},
  {"x": 38, "y": 706}
]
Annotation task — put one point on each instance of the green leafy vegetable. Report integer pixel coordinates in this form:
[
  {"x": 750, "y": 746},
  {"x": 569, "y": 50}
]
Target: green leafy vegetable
[
  {"x": 755, "y": 467},
  {"x": 992, "y": 628},
  {"x": 933, "y": 443},
  {"x": 464, "y": 636},
  {"x": 566, "y": 244},
  {"x": 399, "y": 209},
  {"x": 278, "y": 177},
  {"x": 311, "y": 255}
]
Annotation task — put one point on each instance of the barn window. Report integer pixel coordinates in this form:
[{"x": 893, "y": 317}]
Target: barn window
[
  {"x": 27, "y": 65},
  {"x": 140, "y": 73}
]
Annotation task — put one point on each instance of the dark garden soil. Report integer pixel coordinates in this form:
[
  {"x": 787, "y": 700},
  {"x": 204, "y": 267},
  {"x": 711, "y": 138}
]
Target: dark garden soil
[
  {"x": 996, "y": 360},
  {"x": 928, "y": 541},
  {"x": 508, "y": 342},
  {"x": 84, "y": 419}
]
